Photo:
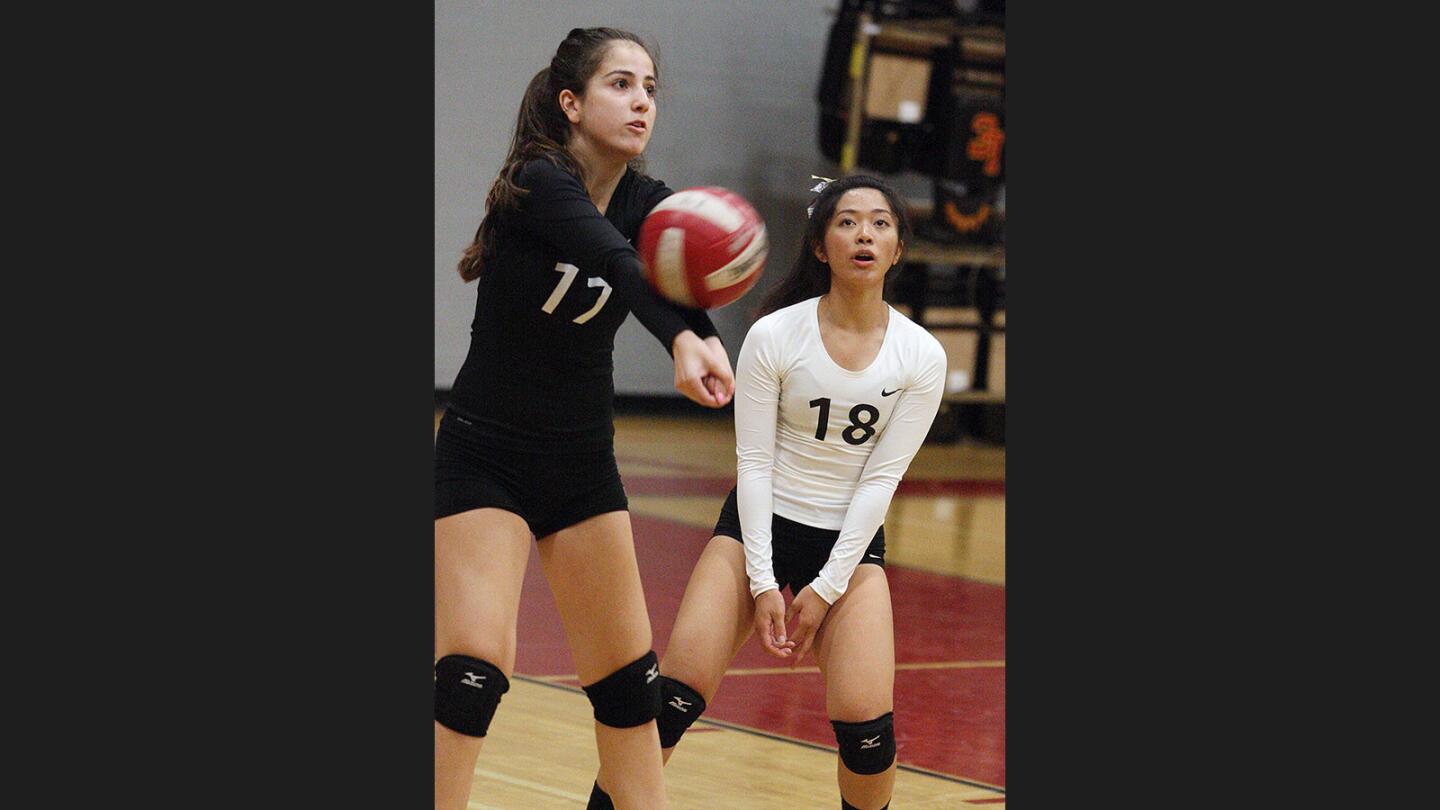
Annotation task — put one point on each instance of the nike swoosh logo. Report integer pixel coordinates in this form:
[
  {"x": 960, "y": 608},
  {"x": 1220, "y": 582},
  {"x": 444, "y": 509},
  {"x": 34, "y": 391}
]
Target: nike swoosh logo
[{"x": 885, "y": 393}]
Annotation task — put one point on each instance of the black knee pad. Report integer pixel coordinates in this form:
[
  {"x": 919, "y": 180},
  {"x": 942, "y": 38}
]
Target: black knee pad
[
  {"x": 844, "y": 805},
  {"x": 868, "y": 747},
  {"x": 467, "y": 691},
  {"x": 629, "y": 696},
  {"x": 679, "y": 707}
]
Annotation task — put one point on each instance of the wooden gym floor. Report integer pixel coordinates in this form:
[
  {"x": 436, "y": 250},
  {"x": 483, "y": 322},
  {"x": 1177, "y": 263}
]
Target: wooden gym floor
[{"x": 765, "y": 741}]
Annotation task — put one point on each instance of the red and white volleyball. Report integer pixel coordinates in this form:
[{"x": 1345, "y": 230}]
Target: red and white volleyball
[{"x": 703, "y": 247}]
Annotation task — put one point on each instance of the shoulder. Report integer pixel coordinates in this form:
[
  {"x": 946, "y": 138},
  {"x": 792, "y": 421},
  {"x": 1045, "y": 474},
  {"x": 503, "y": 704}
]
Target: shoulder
[
  {"x": 647, "y": 187},
  {"x": 763, "y": 330},
  {"x": 780, "y": 334},
  {"x": 543, "y": 172},
  {"x": 647, "y": 192},
  {"x": 787, "y": 320},
  {"x": 764, "y": 333},
  {"x": 917, "y": 341}
]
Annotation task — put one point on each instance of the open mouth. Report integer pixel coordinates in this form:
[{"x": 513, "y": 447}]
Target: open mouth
[
  {"x": 863, "y": 258},
  {"x": 638, "y": 126}
]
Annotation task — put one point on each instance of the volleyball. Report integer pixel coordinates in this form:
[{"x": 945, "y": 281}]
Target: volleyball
[{"x": 703, "y": 247}]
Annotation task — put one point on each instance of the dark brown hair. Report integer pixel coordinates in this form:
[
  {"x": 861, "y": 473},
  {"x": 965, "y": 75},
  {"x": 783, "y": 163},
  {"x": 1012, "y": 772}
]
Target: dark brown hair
[
  {"x": 808, "y": 276},
  {"x": 543, "y": 131}
]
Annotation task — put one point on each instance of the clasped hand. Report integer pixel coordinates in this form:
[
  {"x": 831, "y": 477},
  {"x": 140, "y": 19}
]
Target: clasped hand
[
  {"x": 771, "y": 618},
  {"x": 702, "y": 370}
]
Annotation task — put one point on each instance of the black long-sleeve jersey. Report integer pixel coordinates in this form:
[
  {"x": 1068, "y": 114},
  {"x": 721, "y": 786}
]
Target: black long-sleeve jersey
[{"x": 539, "y": 373}]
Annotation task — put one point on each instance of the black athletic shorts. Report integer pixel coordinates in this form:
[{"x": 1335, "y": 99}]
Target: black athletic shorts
[
  {"x": 797, "y": 551},
  {"x": 549, "y": 491}
]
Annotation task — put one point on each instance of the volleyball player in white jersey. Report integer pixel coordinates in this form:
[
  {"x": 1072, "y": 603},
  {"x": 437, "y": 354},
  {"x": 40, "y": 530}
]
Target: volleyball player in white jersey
[{"x": 835, "y": 392}]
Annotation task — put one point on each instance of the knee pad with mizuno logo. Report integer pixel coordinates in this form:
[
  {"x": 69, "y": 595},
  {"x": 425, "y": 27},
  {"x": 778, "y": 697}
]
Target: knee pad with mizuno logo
[
  {"x": 467, "y": 692},
  {"x": 629, "y": 696},
  {"x": 679, "y": 707},
  {"x": 869, "y": 747}
]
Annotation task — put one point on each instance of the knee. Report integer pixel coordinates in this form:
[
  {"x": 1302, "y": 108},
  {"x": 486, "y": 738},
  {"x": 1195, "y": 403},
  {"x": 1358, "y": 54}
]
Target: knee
[
  {"x": 867, "y": 747},
  {"x": 682, "y": 669},
  {"x": 490, "y": 642},
  {"x": 858, "y": 700},
  {"x": 467, "y": 693},
  {"x": 680, "y": 706},
  {"x": 629, "y": 696}
]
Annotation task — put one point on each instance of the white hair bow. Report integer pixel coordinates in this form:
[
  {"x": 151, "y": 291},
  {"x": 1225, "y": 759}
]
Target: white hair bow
[{"x": 819, "y": 187}]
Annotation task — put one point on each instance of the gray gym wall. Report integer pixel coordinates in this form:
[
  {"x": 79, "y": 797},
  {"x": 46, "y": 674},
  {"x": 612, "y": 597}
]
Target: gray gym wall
[{"x": 736, "y": 109}]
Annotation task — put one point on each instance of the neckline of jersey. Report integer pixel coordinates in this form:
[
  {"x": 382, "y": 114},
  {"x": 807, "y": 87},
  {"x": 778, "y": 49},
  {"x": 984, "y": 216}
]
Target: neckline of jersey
[
  {"x": 890, "y": 314},
  {"x": 610, "y": 211}
]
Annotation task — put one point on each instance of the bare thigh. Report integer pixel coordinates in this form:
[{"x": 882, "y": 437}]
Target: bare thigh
[
  {"x": 716, "y": 617},
  {"x": 856, "y": 649},
  {"x": 595, "y": 579},
  {"x": 480, "y": 560}
]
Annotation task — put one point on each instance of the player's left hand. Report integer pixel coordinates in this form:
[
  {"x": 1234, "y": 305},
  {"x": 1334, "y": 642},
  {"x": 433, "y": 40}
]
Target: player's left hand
[{"x": 810, "y": 610}]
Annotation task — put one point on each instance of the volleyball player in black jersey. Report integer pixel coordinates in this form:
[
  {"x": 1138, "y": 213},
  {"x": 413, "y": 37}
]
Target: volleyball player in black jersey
[{"x": 525, "y": 446}]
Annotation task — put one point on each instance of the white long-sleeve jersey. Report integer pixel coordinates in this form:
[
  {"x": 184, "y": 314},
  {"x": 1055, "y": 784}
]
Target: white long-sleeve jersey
[{"x": 822, "y": 445}]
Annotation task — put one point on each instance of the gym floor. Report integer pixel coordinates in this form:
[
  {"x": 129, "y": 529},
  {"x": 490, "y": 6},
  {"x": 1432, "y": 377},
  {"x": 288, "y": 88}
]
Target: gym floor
[{"x": 765, "y": 741}]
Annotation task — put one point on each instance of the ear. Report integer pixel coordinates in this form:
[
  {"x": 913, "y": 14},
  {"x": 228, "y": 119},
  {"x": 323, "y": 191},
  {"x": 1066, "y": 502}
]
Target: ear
[
  {"x": 820, "y": 254},
  {"x": 899, "y": 253},
  {"x": 570, "y": 105}
]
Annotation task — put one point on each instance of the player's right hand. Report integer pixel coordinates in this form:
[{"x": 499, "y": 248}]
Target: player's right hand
[
  {"x": 694, "y": 363},
  {"x": 721, "y": 380},
  {"x": 770, "y": 624}
]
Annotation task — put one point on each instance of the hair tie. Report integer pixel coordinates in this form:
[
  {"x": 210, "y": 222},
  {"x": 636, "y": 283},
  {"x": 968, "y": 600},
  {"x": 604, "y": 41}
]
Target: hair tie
[{"x": 819, "y": 187}]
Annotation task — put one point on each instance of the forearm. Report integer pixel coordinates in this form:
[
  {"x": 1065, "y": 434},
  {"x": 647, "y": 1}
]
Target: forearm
[
  {"x": 862, "y": 520},
  {"x": 660, "y": 318},
  {"x": 757, "y": 402},
  {"x": 755, "y": 504},
  {"x": 893, "y": 452}
]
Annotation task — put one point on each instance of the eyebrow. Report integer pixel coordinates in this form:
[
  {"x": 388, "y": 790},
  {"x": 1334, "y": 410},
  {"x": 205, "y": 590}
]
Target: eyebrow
[
  {"x": 872, "y": 210},
  {"x": 629, "y": 73}
]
